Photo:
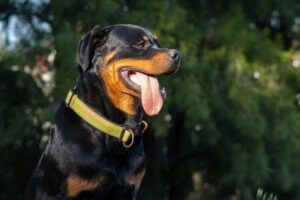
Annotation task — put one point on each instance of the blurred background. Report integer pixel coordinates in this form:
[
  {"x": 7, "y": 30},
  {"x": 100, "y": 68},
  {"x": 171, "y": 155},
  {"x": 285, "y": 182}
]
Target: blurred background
[{"x": 230, "y": 124}]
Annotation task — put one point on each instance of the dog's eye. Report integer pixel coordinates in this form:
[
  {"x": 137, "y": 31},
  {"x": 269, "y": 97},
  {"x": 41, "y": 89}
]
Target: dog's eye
[{"x": 141, "y": 44}]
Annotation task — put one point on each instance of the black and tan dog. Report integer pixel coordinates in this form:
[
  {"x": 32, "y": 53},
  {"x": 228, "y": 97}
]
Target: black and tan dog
[{"x": 95, "y": 149}]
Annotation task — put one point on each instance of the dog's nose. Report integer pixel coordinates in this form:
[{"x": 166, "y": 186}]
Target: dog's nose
[
  {"x": 175, "y": 61},
  {"x": 174, "y": 55}
]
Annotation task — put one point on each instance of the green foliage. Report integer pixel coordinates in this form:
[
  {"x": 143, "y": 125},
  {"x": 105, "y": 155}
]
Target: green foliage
[
  {"x": 230, "y": 123},
  {"x": 20, "y": 131}
]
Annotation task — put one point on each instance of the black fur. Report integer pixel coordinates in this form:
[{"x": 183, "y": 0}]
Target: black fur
[{"x": 75, "y": 147}]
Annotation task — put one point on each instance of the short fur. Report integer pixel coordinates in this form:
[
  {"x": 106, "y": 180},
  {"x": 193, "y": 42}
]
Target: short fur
[{"x": 81, "y": 162}]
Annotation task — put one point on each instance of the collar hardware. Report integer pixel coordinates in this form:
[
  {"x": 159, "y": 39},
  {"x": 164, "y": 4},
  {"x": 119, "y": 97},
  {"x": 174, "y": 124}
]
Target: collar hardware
[
  {"x": 145, "y": 126},
  {"x": 126, "y": 144}
]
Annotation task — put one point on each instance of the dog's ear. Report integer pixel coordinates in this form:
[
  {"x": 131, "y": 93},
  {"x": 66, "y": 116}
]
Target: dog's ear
[{"x": 85, "y": 51}]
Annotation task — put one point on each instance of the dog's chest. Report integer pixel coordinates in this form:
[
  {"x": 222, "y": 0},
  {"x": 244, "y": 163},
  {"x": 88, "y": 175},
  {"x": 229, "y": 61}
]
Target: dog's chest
[{"x": 111, "y": 177}]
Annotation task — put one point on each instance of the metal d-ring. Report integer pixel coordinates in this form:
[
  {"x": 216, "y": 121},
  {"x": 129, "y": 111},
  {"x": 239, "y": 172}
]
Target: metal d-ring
[
  {"x": 132, "y": 139},
  {"x": 145, "y": 126}
]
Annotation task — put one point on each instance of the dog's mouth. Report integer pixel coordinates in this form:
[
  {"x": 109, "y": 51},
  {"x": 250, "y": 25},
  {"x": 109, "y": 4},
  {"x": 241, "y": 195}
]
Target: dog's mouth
[{"x": 148, "y": 86}]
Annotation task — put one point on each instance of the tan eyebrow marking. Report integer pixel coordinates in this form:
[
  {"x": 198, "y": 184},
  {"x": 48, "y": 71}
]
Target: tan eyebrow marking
[{"x": 145, "y": 38}]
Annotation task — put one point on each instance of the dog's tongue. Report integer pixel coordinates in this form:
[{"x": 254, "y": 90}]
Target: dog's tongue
[{"x": 152, "y": 100}]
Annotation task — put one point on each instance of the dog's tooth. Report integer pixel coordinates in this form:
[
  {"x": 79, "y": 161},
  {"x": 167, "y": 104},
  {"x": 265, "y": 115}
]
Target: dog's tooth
[{"x": 135, "y": 80}]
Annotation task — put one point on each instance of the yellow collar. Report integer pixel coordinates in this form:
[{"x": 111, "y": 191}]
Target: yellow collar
[{"x": 98, "y": 121}]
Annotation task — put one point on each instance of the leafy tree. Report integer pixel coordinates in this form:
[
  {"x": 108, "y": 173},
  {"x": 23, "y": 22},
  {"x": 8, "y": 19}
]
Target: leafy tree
[{"x": 230, "y": 124}]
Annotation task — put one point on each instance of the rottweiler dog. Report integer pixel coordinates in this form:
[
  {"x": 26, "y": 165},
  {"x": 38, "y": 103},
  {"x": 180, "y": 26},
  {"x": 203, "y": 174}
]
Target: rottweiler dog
[{"x": 117, "y": 83}]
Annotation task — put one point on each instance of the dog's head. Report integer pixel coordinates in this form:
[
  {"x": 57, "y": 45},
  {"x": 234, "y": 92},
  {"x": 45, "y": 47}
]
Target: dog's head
[{"x": 127, "y": 59}]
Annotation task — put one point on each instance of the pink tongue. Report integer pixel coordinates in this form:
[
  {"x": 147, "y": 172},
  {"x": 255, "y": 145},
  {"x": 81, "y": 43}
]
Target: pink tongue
[{"x": 152, "y": 100}]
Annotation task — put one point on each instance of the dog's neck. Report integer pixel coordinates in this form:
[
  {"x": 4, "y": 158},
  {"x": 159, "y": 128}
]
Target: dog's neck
[{"x": 91, "y": 90}]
